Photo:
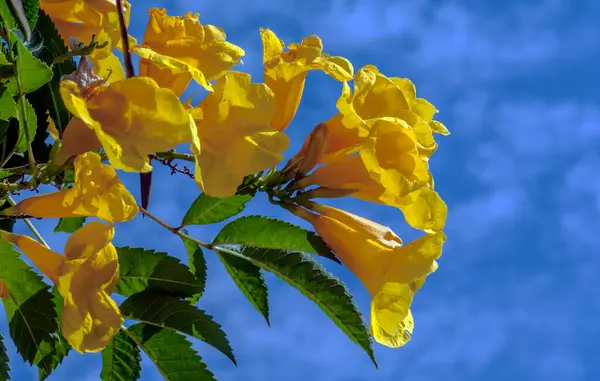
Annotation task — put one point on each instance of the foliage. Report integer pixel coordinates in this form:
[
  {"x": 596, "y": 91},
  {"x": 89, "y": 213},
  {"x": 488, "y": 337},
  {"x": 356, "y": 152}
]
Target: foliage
[{"x": 61, "y": 128}]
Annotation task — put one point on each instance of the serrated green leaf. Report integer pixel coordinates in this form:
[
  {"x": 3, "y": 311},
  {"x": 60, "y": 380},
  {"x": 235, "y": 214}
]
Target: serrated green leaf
[
  {"x": 121, "y": 359},
  {"x": 52, "y": 353},
  {"x": 31, "y": 8},
  {"x": 250, "y": 281},
  {"x": 69, "y": 225},
  {"x": 4, "y": 174},
  {"x": 30, "y": 309},
  {"x": 7, "y": 15},
  {"x": 313, "y": 281},
  {"x": 197, "y": 264},
  {"x": 145, "y": 269},
  {"x": 49, "y": 95},
  {"x": 270, "y": 233},
  {"x": 32, "y": 72},
  {"x": 166, "y": 311},
  {"x": 170, "y": 352},
  {"x": 30, "y": 123},
  {"x": 209, "y": 210},
  {"x": 4, "y": 361},
  {"x": 8, "y": 106}
]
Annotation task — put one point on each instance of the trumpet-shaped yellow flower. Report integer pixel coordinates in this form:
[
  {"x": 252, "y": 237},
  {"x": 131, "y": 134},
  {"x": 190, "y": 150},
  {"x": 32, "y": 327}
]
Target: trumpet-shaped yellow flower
[
  {"x": 235, "y": 135},
  {"x": 97, "y": 193},
  {"x": 285, "y": 72},
  {"x": 386, "y": 168},
  {"x": 129, "y": 119},
  {"x": 85, "y": 277},
  {"x": 376, "y": 96},
  {"x": 82, "y": 19},
  {"x": 391, "y": 272},
  {"x": 176, "y": 49}
]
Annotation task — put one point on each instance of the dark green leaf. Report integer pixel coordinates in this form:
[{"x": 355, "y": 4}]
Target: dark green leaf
[
  {"x": 4, "y": 174},
  {"x": 311, "y": 279},
  {"x": 69, "y": 225},
  {"x": 250, "y": 281},
  {"x": 33, "y": 73},
  {"x": 121, "y": 359},
  {"x": 30, "y": 309},
  {"x": 144, "y": 269},
  {"x": 52, "y": 353},
  {"x": 30, "y": 123},
  {"x": 161, "y": 310},
  {"x": 4, "y": 361},
  {"x": 8, "y": 106},
  {"x": 170, "y": 352},
  {"x": 48, "y": 96},
  {"x": 209, "y": 210},
  {"x": 269, "y": 233},
  {"x": 31, "y": 8},
  {"x": 197, "y": 264}
]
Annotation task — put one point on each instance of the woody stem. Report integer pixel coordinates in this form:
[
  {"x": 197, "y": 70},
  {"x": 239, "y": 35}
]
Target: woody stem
[{"x": 175, "y": 230}]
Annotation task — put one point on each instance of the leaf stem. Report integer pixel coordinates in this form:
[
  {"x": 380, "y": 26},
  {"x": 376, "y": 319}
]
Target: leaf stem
[
  {"x": 176, "y": 231},
  {"x": 30, "y": 225},
  {"x": 175, "y": 155}
]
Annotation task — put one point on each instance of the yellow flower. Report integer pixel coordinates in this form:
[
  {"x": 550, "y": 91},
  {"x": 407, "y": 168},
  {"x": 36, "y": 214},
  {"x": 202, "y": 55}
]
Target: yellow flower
[
  {"x": 176, "y": 49},
  {"x": 97, "y": 193},
  {"x": 235, "y": 135},
  {"x": 85, "y": 277},
  {"x": 130, "y": 119},
  {"x": 391, "y": 272},
  {"x": 386, "y": 168},
  {"x": 285, "y": 72},
  {"x": 82, "y": 19},
  {"x": 376, "y": 96}
]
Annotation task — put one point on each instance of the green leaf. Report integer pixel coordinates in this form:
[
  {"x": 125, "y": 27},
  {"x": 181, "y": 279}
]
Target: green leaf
[
  {"x": 7, "y": 15},
  {"x": 166, "y": 311},
  {"x": 197, "y": 264},
  {"x": 4, "y": 361},
  {"x": 32, "y": 72},
  {"x": 121, "y": 359},
  {"x": 250, "y": 281},
  {"x": 170, "y": 352},
  {"x": 209, "y": 210},
  {"x": 311, "y": 279},
  {"x": 31, "y": 8},
  {"x": 49, "y": 95},
  {"x": 30, "y": 309},
  {"x": 30, "y": 123},
  {"x": 69, "y": 225},
  {"x": 144, "y": 269},
  {"x": 52, "y": 353},
  {"x": 8, "y": 106},
  {"x": 4, "y": 174},
  {"x": 269, "y": 233}
]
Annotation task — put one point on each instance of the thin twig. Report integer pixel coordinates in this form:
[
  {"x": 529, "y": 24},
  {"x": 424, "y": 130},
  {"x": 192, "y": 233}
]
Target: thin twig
[{"x": 29, "y": 224}]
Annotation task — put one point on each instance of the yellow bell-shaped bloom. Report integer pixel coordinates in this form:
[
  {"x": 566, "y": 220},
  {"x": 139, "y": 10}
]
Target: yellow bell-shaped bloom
[
  {"x": 385, "y": 167},
  {"x": 285, "y": 72},
  {"x": 130, "y": 119},
  {"x": 235, "y": 134},
  {"x": 391, "y": 272},
  {"x": 376, "y": 96},
  {"x": 97, "y": 192},
  {"x": 176, "y": 49},
  {"x": 85, "y": 277},
  {"x": 82, "y": 19}
]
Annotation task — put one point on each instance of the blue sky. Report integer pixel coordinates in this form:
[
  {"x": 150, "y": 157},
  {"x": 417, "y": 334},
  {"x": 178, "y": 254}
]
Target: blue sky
[{"x": 515, "y": 296}]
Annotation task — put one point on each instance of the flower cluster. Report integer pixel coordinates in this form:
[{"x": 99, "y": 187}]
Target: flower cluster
[{"x": 376, "y": 148}]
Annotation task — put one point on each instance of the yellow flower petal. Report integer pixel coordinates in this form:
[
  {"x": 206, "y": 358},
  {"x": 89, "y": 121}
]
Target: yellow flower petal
[
  {"x": 192, "y": 48},
  {"x": 52, "y": 128},
  {"x": 235, "y": 135},
  {"x": 285, "y": 72},
  {"x": 131, "y": 118},
  {"x": 46, "y": 260},
  {"x": 97, "y": 193}
]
